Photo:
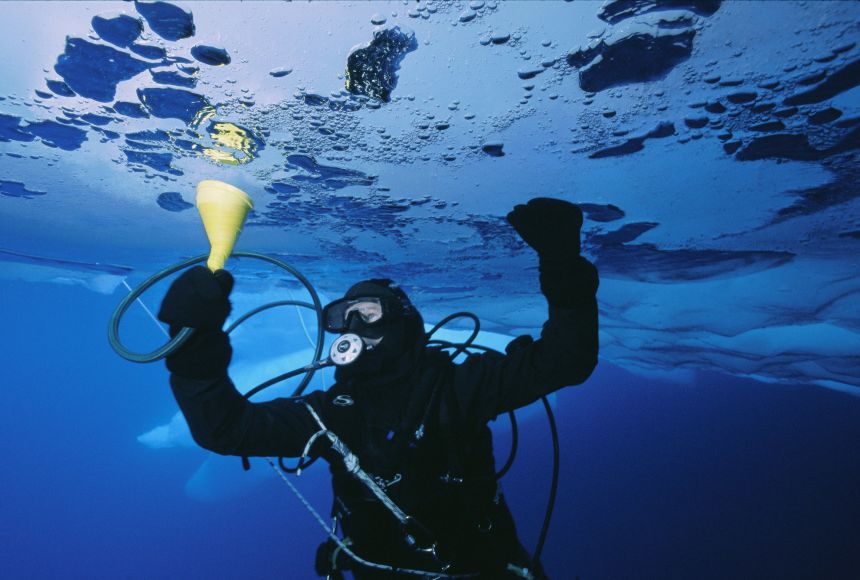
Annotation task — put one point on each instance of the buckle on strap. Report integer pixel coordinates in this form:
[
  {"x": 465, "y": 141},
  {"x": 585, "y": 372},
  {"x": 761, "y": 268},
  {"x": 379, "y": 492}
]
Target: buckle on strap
[
  {"x": 448, "y": 478},
  {"x": 520, "y": 571}
]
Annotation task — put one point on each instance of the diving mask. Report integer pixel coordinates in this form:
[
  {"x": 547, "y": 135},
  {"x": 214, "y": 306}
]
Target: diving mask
[{"x": 367, "y": 311}]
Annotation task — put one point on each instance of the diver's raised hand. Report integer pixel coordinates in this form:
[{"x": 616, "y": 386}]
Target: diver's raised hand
[
  {"x": 199, "y": 299},
  {"x": 550, "y": 226}
]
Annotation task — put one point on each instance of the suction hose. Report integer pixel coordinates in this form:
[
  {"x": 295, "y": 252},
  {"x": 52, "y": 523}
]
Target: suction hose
[
  {"x": 223, "y": 209},
  {"x": 184, "y": 334}
]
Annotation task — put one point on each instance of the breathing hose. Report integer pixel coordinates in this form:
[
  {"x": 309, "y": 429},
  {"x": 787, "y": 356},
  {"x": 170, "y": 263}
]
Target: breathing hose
[{"x": 184, "y": 334}]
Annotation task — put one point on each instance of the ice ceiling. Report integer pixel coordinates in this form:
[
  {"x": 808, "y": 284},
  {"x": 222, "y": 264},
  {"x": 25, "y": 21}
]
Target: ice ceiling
[{"x": 712, "y": 145}]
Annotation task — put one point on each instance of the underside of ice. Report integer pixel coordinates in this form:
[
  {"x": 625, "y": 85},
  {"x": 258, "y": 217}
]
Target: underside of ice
[{"x": 712, "y": 146}]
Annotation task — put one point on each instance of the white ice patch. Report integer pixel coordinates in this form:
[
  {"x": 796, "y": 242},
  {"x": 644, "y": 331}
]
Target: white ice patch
[
  {"x": 172, "y": 434},
  {"x": 793, "y": 324},
  {"x": 101, "y": 283},
  {"x": 248, "y": 374}
]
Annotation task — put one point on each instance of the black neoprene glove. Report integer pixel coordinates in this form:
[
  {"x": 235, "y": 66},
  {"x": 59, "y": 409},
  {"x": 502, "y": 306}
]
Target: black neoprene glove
[
  {"x": 552, "y": 228},
  {"x": 199, "y": 299}
]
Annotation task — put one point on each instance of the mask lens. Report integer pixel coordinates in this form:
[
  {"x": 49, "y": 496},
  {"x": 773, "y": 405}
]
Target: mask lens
[
  {"x": 337, "y": 314},
  {"x": 369, "y": 311}
]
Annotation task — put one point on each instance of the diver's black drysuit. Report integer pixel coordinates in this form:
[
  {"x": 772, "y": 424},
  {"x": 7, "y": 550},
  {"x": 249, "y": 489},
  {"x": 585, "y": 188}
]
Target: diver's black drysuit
[
  {"x": 377, "y": 422},
  {"x": 419, "y": 428}
]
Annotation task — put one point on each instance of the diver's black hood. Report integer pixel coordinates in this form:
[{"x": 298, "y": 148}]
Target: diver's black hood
[{"x": 402, "y": 332}]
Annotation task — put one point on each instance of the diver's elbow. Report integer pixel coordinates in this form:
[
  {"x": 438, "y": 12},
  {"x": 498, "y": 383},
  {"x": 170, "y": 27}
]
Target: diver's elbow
[
  {"x": 210, "y": 442},
  {"x": 581, "y": 371}
]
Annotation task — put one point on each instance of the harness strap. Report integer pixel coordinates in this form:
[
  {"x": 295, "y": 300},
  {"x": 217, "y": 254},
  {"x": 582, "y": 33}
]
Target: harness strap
[
  {"x": 353, "y": 467},
  {"x": 336, "y": 552},
  {"x": 358, "y": 559}
]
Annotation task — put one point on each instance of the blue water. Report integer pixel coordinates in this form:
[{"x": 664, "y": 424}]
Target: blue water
[
  {"x": 722, "y": 478},
  {"x": 712, "y": 147}
]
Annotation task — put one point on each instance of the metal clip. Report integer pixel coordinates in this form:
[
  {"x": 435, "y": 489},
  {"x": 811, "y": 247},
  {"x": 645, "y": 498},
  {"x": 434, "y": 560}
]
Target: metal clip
[
  {"x": 306, "y": 451},
  {"x": 520, "y": 572}
]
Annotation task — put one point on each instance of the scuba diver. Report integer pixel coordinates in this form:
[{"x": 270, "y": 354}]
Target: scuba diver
[{"x": 403, "y": 428}]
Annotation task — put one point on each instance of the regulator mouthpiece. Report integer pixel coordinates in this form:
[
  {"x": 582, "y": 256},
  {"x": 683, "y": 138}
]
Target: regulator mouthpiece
[
  {"x": 223, "y": 209},
  {"x": 346, "y": 349}
]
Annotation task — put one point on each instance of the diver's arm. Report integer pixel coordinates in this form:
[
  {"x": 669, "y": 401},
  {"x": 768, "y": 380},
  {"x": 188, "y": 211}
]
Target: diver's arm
[
  {"x": 219, "y": 417},
  {"x": 565, "y": 354},
  {"x": 223, "y": 421}
]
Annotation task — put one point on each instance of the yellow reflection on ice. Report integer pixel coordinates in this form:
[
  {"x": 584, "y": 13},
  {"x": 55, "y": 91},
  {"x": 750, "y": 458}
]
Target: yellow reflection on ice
[
  {"x": 240, "y": 143},
  {"x": 203, "y": 115}
]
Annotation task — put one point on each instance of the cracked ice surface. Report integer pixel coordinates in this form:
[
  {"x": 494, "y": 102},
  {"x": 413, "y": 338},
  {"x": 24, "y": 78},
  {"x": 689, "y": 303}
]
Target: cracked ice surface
[{"x": 713, "y": 146}]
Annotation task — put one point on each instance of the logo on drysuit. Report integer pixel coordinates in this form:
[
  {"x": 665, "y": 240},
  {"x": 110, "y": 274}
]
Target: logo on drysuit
[
  {"x": 342, "y": 401},
  {"x": 386, "y": 483}
]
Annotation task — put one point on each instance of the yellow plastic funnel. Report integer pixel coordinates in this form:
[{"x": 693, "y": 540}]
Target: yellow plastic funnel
[{"x": 223, "y": 209}]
